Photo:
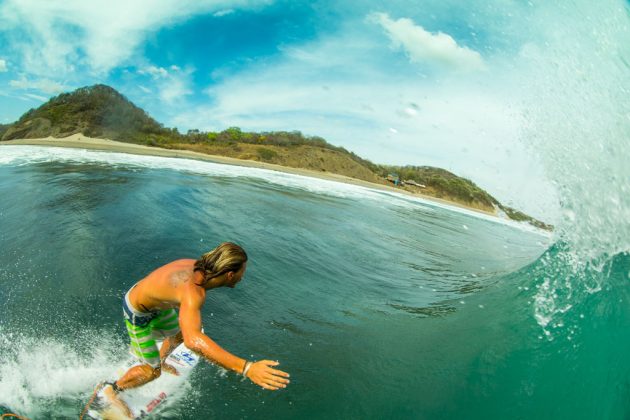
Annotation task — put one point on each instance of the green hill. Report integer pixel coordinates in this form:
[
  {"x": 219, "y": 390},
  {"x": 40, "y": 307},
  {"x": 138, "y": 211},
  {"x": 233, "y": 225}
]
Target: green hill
[
  {"x": 96, "y": 111},
  {"x": 100, "y": 111}
]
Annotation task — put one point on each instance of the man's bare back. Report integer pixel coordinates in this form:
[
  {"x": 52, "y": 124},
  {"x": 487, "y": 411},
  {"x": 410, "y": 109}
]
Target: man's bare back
[{"x": 163, "y": 288}]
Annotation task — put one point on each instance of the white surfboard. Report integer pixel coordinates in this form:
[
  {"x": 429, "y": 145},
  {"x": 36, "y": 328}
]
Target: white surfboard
[{"x": 149, "y": 398}]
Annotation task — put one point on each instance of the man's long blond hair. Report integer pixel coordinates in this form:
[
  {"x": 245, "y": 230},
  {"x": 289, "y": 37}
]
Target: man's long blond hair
[{"x": 222, "y": 259}]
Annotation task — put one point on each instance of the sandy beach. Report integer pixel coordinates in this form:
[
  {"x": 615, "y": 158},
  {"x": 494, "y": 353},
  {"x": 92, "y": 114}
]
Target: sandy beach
[{"x": 83, "y": 142}]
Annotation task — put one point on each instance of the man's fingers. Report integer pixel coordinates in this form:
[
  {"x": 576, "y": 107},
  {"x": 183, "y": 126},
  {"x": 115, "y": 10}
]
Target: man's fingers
[
  {"x": 279, "y": 373},
  {"x": 275, "y": 378},
  {"x": 272, "y": 379},
  {"x": 279, "y": 379},
  {"x": 277, "y": 383}
]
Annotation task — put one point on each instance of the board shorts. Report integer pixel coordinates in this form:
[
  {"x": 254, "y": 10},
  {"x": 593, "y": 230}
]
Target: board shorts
[{"x": 145, "y": 329}]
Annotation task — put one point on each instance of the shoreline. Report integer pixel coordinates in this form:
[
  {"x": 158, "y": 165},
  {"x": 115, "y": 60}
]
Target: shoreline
[{"x": 79, "y": 141}]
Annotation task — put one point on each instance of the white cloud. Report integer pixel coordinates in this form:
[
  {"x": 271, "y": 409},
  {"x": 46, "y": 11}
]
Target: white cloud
[
  {"x": 172, "y": 84},
  {"x": 175, "y": 90},
  {"x": 343, "y": 89},
  {"x": 422, "y": 46},
  {"x": 3, "y": 66},
  {"x": 224, "y": 12},
  {"x": 55, "y": 36},
  {"x": 36, "y": 97},
  {"x": 155, "y": 72},
  {"x": 43, "y": 85}
]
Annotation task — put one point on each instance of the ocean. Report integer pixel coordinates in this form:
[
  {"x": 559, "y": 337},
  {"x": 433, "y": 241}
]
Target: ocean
[{"x": 379, "y": 305}]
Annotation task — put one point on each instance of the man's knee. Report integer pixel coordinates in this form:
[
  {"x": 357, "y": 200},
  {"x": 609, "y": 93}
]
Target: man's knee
[{"x": 151, "y": 371}]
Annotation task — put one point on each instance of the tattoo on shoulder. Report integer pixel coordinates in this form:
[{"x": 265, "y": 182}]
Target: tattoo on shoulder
[{"x": 179, "y": 277}]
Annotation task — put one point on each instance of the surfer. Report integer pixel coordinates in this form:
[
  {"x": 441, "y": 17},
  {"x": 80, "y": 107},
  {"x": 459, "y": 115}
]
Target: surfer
[{"x": 149, "y": 310}]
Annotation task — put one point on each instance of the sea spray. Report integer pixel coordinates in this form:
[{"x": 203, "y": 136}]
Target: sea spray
[
  {"x": 578, "y": 123},
  {"x": 35, "y": 368}
]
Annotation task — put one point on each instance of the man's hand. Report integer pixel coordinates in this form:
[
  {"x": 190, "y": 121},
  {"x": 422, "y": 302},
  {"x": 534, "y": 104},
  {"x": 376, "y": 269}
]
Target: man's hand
[{"x": 262, "y": 373}]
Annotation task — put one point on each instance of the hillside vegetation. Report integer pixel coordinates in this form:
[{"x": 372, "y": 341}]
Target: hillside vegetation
[{"x": 100, "y": 111}]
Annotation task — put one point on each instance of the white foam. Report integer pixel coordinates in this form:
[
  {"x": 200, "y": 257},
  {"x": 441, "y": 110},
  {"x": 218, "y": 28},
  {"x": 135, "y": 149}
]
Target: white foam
[
  {"x": 35, "y": 371},
  {"x": 18, "y": 155}
]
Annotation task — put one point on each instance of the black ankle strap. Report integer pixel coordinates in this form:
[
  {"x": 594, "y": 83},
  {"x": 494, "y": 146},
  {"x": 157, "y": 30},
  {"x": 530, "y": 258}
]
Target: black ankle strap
[{"x": 114, "y": 386}]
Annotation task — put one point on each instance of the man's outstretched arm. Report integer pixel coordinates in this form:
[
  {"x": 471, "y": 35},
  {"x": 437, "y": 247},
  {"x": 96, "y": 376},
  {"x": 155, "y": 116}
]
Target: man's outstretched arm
[{"x": 261, "y": 373}]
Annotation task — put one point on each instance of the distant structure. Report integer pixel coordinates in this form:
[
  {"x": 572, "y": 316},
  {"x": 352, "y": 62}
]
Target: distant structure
[
  {"x": 414, "y": 183},
  {"x": 393, "y": 178}
]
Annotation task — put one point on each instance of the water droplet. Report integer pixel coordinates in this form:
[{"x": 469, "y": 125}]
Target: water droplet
[
  {"x": 570, "y": 215},
  {"x": 411, "y": 112}
]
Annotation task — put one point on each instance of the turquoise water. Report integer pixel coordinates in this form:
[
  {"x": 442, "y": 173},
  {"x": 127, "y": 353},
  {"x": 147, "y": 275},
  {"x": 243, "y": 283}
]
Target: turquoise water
[{"x": 379, "y": 305}]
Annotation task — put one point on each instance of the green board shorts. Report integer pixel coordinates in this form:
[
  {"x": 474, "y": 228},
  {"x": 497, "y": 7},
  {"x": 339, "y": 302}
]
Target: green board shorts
[{"x": 145, "y": 329}]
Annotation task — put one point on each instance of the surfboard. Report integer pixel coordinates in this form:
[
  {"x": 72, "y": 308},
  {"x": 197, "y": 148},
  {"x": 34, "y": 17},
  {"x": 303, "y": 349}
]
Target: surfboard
[{"x": 152, "y": 397}]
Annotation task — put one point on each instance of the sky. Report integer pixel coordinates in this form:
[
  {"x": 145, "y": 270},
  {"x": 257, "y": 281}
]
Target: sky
[{"x": 426, "y": 82}]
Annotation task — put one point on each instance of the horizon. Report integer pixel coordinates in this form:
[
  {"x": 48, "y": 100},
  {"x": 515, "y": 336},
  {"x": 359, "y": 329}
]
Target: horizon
[{"x": 438, "y": 84}]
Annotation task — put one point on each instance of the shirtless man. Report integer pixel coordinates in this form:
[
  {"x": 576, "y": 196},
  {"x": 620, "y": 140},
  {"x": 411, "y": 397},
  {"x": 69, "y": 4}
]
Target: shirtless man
[{"x": 149, "y": 310}]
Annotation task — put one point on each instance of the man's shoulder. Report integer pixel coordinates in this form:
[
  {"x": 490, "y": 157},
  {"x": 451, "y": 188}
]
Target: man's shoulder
[{"x": 192, "y": 293}]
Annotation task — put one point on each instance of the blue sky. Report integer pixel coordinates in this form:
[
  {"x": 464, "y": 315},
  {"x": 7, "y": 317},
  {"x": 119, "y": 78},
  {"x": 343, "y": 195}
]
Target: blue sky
[{"x": 424, "y": 82}]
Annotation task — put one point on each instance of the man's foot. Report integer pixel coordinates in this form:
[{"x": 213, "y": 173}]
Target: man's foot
[
  {"x": 114, "y": 400},
  {"x": 170, "y": 369}
]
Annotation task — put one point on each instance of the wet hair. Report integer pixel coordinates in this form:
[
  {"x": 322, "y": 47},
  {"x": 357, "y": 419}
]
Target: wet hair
[{"x": 222, "y": 259}]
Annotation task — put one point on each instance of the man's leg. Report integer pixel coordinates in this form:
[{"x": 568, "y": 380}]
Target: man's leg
[
  {"x": 134, "y": 377},
  {"x": 168, "y": 346},
  {"x": 166, "y": 324},
  {"x": 141, "y": 374},
  {"x": 144, "y": 347},
  {"x": 137, "y": 376}
]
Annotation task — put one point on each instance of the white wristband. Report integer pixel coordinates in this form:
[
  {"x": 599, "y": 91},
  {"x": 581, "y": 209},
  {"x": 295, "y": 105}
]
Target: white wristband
[{"x": 248, "y": 364}]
